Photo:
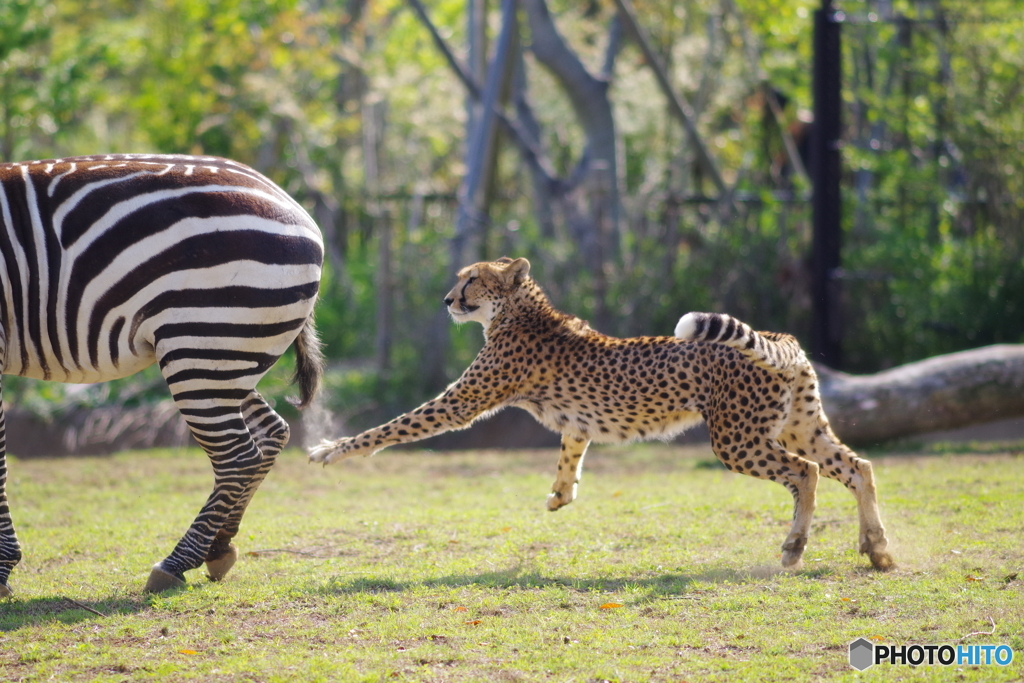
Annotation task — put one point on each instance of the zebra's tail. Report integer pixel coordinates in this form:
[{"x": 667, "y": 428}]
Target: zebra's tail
[
  {"x": 309, "y": 363},
  {"x": 774, "y": 351}
]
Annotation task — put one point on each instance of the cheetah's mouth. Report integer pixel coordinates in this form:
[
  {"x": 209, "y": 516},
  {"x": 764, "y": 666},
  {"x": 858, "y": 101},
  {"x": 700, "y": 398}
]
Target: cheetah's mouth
[{"x": 464, "y": 309}]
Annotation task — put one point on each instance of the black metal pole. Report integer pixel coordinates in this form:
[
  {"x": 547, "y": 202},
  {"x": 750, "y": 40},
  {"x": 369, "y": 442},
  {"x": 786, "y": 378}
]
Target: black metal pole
[{"x": 826, "y": 167}]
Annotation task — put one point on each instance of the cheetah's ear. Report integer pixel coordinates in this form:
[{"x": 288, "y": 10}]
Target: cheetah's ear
[{"x": 517, "y": 272}]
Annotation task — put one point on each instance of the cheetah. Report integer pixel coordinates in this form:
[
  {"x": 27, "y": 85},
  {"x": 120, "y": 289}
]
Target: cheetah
[{"x": 756, "y": 391}]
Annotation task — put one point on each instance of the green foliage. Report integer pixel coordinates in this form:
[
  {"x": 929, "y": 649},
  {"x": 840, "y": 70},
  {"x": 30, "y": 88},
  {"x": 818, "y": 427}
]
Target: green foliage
[
  {"x": 304, "y": 91},
  {"x": 40, "y": 89},
  {"x": 417, "y": 566},
  {"x": 934, "y": 250}
]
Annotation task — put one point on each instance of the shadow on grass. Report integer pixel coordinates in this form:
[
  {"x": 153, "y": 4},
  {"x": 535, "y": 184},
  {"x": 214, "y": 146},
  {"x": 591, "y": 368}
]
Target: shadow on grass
[
  {"x": 16, "y": 614},
  {"x": 662, "y": 586}
]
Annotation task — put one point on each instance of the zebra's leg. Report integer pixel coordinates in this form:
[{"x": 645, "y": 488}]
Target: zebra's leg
[
  {"x": 211, "y": 401},
  {"x": 221, "y": 431},
  {"x": 10, "y": 551},
  {"x": 270, "y": 432}
]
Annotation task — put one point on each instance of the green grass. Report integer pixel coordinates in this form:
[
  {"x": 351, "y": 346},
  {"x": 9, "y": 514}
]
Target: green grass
[{"x": 446, "y": 567}]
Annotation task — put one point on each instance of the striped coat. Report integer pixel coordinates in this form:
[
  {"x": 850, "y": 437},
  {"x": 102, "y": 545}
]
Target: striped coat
[{"x": 109, "y": 264}]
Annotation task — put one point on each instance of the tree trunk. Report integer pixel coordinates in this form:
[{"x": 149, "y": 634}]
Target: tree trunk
[
  {"x": 944, "y": 392},
  {"x": 385, "y": 283},
  {"x": 482, "y": 148},
  {"x": 588, "y": 95}
]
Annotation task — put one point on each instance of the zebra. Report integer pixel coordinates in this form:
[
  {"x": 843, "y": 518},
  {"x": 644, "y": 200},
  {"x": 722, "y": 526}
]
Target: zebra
[{"x": 109, "y": 264}]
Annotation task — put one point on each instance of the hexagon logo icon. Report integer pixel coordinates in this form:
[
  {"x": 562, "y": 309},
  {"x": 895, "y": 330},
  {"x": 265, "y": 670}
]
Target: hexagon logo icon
[{"x": 862, "y": 654}]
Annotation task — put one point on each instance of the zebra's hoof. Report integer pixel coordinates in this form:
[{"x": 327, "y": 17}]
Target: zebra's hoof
[
  {"x": 218, "y": 569},
  {"x": 161, "y": 580},
  {"x": 5, "y": 591}
]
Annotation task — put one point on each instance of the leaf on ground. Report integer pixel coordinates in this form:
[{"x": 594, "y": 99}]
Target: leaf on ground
[
  {"x": 460, "y": 608},
  {"x": 473, "y": 622},
  {"x": 972, "y": 577},
  {"x": 188, "y": 652},
  {"x": 611, "y": 605}
]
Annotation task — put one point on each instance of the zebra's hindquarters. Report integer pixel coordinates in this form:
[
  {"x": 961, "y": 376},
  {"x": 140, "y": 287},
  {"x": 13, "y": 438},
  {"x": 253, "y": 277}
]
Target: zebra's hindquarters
[
  {"x": 212, "y": 369},
  {"x": 109, "y": 263}
]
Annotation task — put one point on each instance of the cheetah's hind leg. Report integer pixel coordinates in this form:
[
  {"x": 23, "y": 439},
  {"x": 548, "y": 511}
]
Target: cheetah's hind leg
[
  {"x": 838, "y": 462},
  {"x": 768, "y": 459}
]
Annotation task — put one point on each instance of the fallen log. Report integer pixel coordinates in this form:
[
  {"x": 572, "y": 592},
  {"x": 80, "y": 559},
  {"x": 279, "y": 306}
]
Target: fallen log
[
  {"x": 940, "y": 393},
  {"x": 945, "y": 392}
]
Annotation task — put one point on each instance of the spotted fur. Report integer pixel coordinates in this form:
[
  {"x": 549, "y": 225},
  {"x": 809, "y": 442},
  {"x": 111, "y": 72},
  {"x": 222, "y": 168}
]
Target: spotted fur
[{"x": 756, "y": 391}]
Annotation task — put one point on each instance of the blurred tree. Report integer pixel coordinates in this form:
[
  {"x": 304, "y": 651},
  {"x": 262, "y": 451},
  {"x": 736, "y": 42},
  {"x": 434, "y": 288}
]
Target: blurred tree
[
  {"x": 21, "y": 31},
  {"x": 351, "y": 106}
]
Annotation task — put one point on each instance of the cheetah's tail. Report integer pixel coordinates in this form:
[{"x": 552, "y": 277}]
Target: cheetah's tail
[{"x": 770, "y": 350}]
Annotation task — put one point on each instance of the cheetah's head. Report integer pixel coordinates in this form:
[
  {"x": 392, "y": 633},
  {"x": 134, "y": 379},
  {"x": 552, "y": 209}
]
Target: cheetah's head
[{"x": 482, "y": 287}]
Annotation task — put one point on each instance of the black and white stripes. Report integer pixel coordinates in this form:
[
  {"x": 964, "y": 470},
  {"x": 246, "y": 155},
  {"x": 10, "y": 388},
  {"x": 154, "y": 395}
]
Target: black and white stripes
[
  {"x": 111, "y": 263},
  {"x": 769, "y": 350}
]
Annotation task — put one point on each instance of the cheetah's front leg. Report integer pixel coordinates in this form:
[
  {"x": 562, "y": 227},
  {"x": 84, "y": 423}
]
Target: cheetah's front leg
[
  {"x": 434, "y": 417},
  {"x": 340, "y": 449},
  {"x": 457, "y": 408},
  {"x": 570, "y": 469}
]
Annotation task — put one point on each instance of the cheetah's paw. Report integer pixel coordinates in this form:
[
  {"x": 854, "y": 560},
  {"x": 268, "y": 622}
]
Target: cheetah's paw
[
  {"x": 332, "y": 451},
  {"x": 793, "y": 551},
  {"x": 560, "y": 497}
]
